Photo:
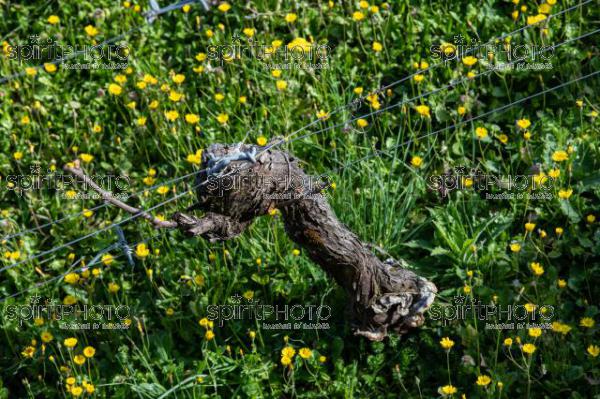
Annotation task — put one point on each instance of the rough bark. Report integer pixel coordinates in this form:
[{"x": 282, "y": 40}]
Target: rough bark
[
  {"x": 384, "y": 296},
  {"x": 235, "y": 187}
]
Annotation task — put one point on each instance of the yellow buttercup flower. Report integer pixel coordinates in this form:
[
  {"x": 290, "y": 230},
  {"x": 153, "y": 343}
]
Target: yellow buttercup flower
[
  {"x": 559, "y": 327},
  {"x": 529, "y": 226},
  {"x": 565, "y": 194},
  {"x": 171, "y": 115},
  {"x": 91, "y": 30},
  {"x": 362, "y": 123},
  {"x": 305, "y": 353},
  {"x": 79, "y": 359},
  {"x": 89, "y": 351},
  {"x": 286, "y": 361},
  {"x": 560, "y": 156},
  {"x": 448, "y": 390},
  {"x": 448, "y": 48},
  {"x": 529, "y": 348},
  {"x": 224, "y": 7},
  {"x": 358, "y": 16},
  {"x": 291, "y": 17},
  {"x": 288, "y": 351},
  {"x": 195, "y": 159},
  {"x": 446, "y": 343},
  {"x": 523, "y": 123},
  {"x": 534, "y": 19},
  {"x": 115, "y": 89},
  {"x": 322, "y": 115},
  {"x": 222, "y": 118},
  {"x": 469, "y": 60},
  {"x": 554, "y": 173},
  {"x": 28, "y": 352},
  {"x": 70, "y": 342},
  {"x": 71, "y": 278},
  {"x": 530, "y": 307},
  {"x": 377, "y": 47},
  {"x": 536, "y": 268},
  {"x": 416, "y": 161},
  {"x": 483, "y": 380},
  {"x": 120, "y": 79},
  {"x": 50, "y": 67},
  {"x": 175, "y": 96},
  {"x": 142, "y": 250},
  {"x": 481, "y": 132},
  {"x": 178, "y": 78},
  {"x": 107, "y": 259},
  {"x": 261, "y": 140},
  {"x": 535, "y": 332},
  {"x": 192, "y": 119},
  {"x": 587, "y": 322},
  {"x": 46, "y": 336},
  {"x": 53, "y": 19},
  {"x": 281, "y": 85},
  {"x": 423, "y": 110},
  {"x": 593, "y": 350}
]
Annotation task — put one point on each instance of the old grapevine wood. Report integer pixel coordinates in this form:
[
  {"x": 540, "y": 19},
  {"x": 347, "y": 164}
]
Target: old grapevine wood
[
  {"x": 236, "y": 186},
  {"x": 383, "y": 295}
]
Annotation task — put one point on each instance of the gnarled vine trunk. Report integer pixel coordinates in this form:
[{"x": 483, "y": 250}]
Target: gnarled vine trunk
[
  {"x": 236, "y": 185},
  {"x": 236, "y": 189}
]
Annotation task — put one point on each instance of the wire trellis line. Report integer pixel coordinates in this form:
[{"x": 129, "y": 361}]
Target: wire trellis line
[
  {"x": 157, "y": 11},
  {"x": 431, "y": 68},
  {"x": 495, "y": 110},
  {"x": 93, "y": 262},
  {"x": 150, "y": 16},
  {"x": 404, "y": 102},
  {"x": 426, "y": 94},
  {"x": 72, "y": 215},
  {"x": 337, "y": 170},
  {"x": 134, "y": 216},
  {"x": 54, "y": 249}
]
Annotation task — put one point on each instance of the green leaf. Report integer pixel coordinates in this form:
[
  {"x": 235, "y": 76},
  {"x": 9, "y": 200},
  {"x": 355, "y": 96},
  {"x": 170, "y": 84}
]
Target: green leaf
[
  {"x": 438, "y": 251},
  {"x": 569, "y": 211}
]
